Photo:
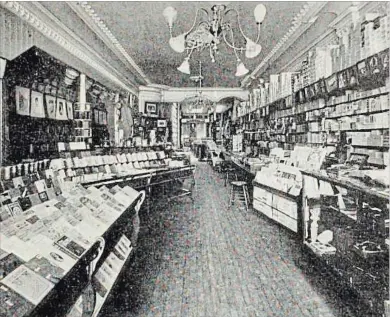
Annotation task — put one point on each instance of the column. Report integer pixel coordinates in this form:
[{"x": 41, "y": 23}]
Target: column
[{"x": 3, "y": 63}]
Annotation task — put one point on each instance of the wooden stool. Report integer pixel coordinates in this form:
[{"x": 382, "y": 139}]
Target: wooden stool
[
  {"x": 239, "y": 191},
  {"x": 230, "y": 172}
]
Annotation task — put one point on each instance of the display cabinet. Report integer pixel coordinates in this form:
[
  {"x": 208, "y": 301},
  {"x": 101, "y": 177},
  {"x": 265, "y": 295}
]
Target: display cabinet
[
  {"x": 346, "y": 228},
  {"x": 276, "y": 194},
  {"x": 82, "y": 122}
]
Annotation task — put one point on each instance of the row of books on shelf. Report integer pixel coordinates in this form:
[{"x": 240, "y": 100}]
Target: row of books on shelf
[
  {"x": 40, "y": 245},
  {"x": 369, "y": 73},
  {"x": 358, "y": 122}
]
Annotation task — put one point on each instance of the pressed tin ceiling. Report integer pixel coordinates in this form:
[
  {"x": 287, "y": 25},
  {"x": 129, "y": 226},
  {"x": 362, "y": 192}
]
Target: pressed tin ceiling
[{"x": 142, "y": 30}]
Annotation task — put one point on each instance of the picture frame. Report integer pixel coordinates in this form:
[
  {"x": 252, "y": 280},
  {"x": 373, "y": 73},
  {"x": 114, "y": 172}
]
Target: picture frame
[
  {"x": 161, "y": 123},
  {"x": 69, "y": 109},
  {"x": 51, "y": 106},
  {"x": 22, "y": 100},
  {"x": 61, "y": 109},
  {"x": 37, "y": 108},
  {"x": 151, "y": 107}
]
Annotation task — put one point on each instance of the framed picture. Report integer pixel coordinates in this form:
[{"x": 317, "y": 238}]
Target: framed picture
[
  {"x": 69, "y": 109},
  {"x": 61, "y": 109},
  {"x": 161, "y": 123},
  {"x": 22, "y": 98},
  {"x": 51, "y": 106},
  {"x": 37, "y": 109},
  {"x": 151, "y": 107}
]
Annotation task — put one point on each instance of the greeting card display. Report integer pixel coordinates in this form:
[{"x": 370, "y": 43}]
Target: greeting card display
[
  {"x": 61, "y": 109},
  {"x": 22, "y": 99},
  {"x": 37, "y": 108},
  {"x": 50, "y": 106}
]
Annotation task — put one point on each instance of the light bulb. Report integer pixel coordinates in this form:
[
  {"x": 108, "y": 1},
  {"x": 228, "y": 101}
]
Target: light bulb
[
  {"x": 252, "y": 49},
  {"x": 185, "y": 66},
  {"x": 170, "y": 15},
  {"x": 241, "y": 69},
  {"x": 178, "y": 43},
  {"x": 260, "y": 12}
]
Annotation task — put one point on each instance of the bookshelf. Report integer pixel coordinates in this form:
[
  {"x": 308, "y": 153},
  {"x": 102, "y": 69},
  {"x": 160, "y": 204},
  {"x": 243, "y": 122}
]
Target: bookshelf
[
  {"x": 337, "y": 87},
  {"x": 82, "y": 122}
]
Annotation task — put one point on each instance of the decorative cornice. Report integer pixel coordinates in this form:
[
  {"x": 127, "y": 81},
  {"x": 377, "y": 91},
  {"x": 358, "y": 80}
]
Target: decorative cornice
[
  {"x": 19, "y": 9},
  {"x": 309, "y": 10},
  {"x": 85, "y": 11}
]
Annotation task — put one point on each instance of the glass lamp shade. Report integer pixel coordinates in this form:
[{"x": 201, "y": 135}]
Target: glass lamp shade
[
  {"x": 170, "y": 15},
  {"x": 178, "y": 43},
  {"x": 185, "y": 67},
  {"x": 252, "y": 49},
  {"x": 260, "y": 12},
  {"x": 241, "y": 69}
]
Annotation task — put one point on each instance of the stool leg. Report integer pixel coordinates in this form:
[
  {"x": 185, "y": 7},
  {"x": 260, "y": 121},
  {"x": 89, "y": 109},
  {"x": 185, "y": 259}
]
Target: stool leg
[
  {"x": 226, "y": 178},
  {"x": 231, "y": 196},
  {"x": 235, "y": 175},
  {"x": 245, "y": 197}
]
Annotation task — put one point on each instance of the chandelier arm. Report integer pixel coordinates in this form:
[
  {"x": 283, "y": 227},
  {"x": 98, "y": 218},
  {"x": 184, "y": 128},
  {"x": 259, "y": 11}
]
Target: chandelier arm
[
  {"x": 238, "y": 21},
  {"x": 258, "y": 32},
  {"x": 196, "y": 16},
  {"x": 235, "y": 51},
  {"x": 232, "y": 45}
]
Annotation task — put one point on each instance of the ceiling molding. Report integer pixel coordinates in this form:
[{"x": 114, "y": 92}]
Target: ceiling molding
[
  {"x": 42, "y": 20},
  {"x": 309, "y": 10},
  {"x": 96, "y": 24}
]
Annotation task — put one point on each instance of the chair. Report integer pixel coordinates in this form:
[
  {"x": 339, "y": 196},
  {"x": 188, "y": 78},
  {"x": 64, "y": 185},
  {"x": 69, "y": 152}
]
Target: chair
[{"x": 239, "y": 192}]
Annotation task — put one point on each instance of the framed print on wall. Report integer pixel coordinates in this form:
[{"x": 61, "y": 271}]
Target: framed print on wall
[
  {"x": 51, "y": 106},
  {"x": 37, "y": 108},
  {"x": 22, "y": 98},
  {"x": 151, "y": 107},
  {"x": 61, "y": 109},
  {"x": 69, "y": 108}
]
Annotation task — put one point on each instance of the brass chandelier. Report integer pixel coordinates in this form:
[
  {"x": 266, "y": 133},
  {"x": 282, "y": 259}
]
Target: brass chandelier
[{"x": 211, "y": 32}]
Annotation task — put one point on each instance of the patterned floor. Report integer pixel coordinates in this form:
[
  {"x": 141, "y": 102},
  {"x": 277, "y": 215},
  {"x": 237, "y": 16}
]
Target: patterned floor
[{"x": 206, "y": 259}]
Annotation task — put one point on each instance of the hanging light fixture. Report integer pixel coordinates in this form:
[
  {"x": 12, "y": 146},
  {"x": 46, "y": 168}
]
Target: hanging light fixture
[
  {"x": 210, "y": 32},
  {"x": 199, "y": 102}
]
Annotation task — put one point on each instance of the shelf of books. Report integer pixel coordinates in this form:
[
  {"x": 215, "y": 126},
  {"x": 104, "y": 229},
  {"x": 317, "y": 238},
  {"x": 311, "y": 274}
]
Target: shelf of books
[
  {"x": 339, "y": 89},
  {"x": 82, "y": 116}
]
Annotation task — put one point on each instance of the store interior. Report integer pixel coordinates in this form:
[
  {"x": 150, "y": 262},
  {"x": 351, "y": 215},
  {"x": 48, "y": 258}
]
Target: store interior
[{"x": 194, "y": 159}]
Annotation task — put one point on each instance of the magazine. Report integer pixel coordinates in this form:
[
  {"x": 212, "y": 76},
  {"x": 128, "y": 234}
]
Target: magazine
[
  {"x": 46, "y": 269},
  {"x": 29, "y": 284},
  {"x": 70, "y": 247},
  {"x": 46, "y": 248},
  {"x": 13, "y": 304}
]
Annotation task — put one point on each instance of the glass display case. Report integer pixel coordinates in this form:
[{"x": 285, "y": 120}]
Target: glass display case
[{"x": 346, "y": 226}]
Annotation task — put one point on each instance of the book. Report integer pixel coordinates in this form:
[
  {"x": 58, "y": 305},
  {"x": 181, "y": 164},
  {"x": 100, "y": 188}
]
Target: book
[
  {"x": 70, "y": 247},
  {"x": 45, "y": 268},
  {"x": 8, "y": 263},
  {"x": 12, "y": 303},
  {"x": 28, "y": 284}
]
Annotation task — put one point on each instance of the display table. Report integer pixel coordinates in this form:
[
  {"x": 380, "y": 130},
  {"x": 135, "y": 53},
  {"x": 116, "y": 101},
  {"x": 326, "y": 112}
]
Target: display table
[
  {"x": 346, "y": 224},
  {"x": 54, "y": 256}
]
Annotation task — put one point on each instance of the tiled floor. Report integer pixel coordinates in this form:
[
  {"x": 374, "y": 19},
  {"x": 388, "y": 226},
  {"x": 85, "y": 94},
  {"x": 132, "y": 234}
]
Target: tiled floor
[{"x": 206, "y": 259}]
